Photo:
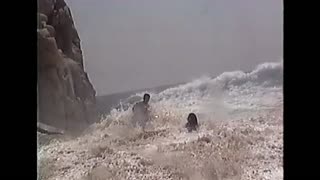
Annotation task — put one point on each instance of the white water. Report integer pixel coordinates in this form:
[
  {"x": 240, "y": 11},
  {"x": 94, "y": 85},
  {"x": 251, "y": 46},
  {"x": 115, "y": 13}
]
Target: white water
[
  {"x": 228, "y": 104},
  {"x": 226, "y": 94}
]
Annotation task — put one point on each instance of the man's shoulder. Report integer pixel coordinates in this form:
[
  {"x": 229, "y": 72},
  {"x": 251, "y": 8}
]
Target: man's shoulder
[{"x": 139, "y": 103}]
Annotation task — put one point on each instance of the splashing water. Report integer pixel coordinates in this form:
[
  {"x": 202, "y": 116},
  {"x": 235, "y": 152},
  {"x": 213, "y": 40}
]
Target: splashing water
[{"x": 240, "y": 135}]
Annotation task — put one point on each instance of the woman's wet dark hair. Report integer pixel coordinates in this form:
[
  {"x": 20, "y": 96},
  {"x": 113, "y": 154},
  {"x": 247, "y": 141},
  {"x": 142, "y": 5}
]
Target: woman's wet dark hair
[
  {"x": 192, "y": 123},
  {"x": 192, "y": 117}
]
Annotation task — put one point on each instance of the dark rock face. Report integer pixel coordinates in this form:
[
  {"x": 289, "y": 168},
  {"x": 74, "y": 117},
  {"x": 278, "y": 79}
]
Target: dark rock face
[{"x": 66, "y": 98}]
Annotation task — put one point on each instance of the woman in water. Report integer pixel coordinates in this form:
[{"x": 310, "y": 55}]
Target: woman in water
[{"x": 192, "y": 124}]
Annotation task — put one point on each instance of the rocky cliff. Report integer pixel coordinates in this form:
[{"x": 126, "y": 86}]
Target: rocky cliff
[{"x": 66, "y": 98}]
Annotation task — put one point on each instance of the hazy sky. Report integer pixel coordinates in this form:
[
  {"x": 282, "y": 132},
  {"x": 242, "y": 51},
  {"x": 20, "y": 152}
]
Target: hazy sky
[{"x": 134, "y": 44}]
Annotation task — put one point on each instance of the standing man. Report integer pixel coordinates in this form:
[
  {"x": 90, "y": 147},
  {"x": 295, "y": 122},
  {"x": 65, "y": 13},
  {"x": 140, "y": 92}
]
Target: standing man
[{"x": 141, "y": 112}]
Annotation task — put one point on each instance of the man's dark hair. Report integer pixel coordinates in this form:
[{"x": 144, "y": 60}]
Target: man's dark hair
[{"x": 146, "y": 96}]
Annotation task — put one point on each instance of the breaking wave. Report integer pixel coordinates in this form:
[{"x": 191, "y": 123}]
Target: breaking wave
[{"x": 229, "y": 91}]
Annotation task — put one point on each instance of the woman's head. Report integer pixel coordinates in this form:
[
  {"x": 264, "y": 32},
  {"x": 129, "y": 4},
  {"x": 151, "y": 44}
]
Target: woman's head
[{"x": 192, "y": 118}]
